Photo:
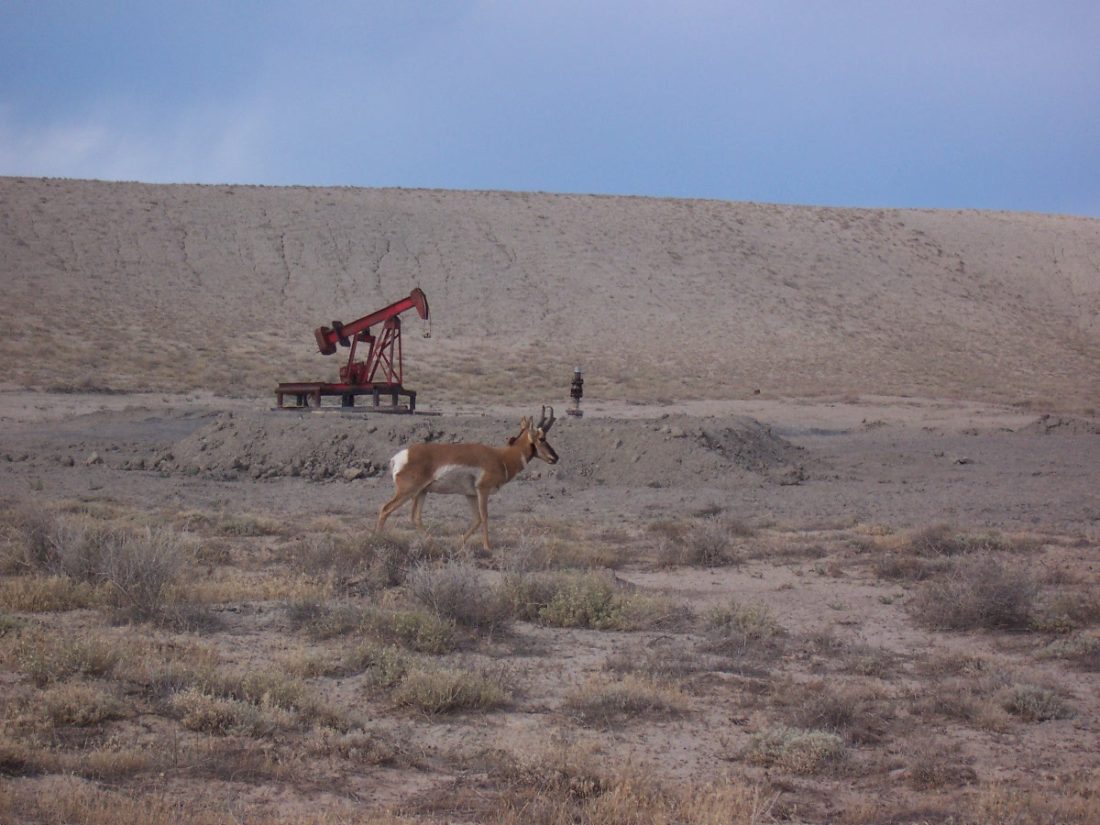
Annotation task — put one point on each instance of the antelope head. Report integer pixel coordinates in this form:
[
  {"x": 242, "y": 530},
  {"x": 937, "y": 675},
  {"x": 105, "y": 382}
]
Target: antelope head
[{"x": 535, "y": 434}]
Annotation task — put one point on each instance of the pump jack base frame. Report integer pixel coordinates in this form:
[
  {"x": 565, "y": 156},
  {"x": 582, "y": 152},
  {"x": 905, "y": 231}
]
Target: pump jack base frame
[{"x": 308, "y": 396}]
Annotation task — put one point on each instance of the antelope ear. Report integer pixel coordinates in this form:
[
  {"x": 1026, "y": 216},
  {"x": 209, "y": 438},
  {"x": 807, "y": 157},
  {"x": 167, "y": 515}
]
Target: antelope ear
[{"x": 525, "y": 423}]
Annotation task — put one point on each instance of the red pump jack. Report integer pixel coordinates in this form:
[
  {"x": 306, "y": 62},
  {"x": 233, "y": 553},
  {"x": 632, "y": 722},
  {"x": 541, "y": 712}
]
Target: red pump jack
[{"x": 380, "y": 373}]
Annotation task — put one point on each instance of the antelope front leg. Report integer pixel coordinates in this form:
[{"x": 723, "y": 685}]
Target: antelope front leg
[
  {"x": 476, "y": 513},
  {"x": 483, "y": 512}
]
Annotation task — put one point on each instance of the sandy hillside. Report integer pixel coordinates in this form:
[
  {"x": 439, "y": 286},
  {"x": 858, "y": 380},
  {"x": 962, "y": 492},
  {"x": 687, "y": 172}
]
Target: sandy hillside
[
  {"x": 133, "y": 286},
  {"x": 867, "y": 594}
]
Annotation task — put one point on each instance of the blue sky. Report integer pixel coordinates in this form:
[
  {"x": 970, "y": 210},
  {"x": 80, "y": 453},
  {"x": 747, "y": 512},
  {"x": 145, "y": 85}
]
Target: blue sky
[{"x": 940, "y": 103}]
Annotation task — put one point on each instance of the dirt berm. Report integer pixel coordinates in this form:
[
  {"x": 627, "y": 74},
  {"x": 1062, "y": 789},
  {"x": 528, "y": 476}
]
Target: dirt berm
[{"x": 670, "y": 451}]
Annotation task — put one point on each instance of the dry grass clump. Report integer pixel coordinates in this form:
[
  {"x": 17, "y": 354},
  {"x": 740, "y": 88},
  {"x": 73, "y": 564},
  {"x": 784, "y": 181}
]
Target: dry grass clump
[
  {"x": 417, "y": 685},
  {"x": 85, "y": 560},
  {"x": 853, "y": 712},
  {"x": 552, "y": 545},
  {"x": 1072, "y": 800},
  {"x": 636, "y": 798},
  {"x": 663, "y": 662},
  {"x": 25, "y": 535},
  {"x": 795, "y": 750},
  {"x": 944, "y": 540},
  {"x": 593, "y": 600},
  {"x": 458, "y": 592},
  {"x": 962, "y": 702},
  {"x": 933, "y": 765},
  {"x": 1065, "y": 611},
  {"x": 927, "y": 553},
  {"x": 47, "y": 658},
  {"x": 984, "y": 695},
  {"x": 449, "y": 690},
  {"x": 601, "y": 702},
  {"x": 320, "y": 620},
  {"x": 853, "y": 658},
  {"x": 247, "y": 524},
  {"x": 20, "y": 758},
  {"x": 905, "y": 567},
  {"x": 707, "y": 542},
  {"x": 358, "y": 747},
  {"x": 1033, "y": 703},
  {"x": 10, "y": 624},
  {"x": 421, "y": 631},
  {"x": 204, "y": 712},
  {"x": 239, "y": 758},
  {"x": 413, "y": 629},
  {"x": 233, "y": 585},
  {"x": 49, "y": 594},
  {"x": 140, "y": 568},
  {"x": 567, "y": 784},
  {"x": 354, "y": 563},
  {"x": 982, "y": 593},
  {"x": 742, "y": 632},
  {"x": 80, "y": 705},
  {"x": 257, "y": 702},
  {"x": 74, "y": 800},
  {"x": 250, "y": 703},
  {"x": 1082, "y": 650}
]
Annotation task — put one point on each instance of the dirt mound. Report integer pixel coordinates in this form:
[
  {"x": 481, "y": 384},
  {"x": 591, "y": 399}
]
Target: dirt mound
[
  {"x": 1060, "y": 425},
  {"x": 634, "y": 453}
]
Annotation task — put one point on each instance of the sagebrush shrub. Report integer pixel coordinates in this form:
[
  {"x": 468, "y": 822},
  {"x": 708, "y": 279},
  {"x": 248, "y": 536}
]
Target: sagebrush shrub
[
  {"x": 457, "y": 591},
  {"x": 981, "y": 593},
  {"x": 795, "y": 750}
]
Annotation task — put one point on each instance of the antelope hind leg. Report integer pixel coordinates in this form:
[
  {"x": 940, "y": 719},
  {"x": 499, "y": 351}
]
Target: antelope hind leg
[
  {"x": 418, "y": 509},
  {"x": 391, "y": 505},
  {"x": 483, "y": 513}
]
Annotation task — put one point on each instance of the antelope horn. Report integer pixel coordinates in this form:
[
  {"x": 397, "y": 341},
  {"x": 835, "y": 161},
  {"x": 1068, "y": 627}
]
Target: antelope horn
[{"x": 546, "y": 423}]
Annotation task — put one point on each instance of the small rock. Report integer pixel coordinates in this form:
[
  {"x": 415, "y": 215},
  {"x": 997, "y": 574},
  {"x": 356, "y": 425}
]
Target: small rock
[
  {"x": 94, "y": 458},
  {"x": 353, "y": 473}
]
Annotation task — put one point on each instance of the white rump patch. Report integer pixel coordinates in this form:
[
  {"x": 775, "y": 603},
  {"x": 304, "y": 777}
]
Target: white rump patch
[{"x": 398, "y": 462}]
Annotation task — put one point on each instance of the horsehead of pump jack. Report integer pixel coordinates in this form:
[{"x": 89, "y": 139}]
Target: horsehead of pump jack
[{"x": 472, "y": 470}]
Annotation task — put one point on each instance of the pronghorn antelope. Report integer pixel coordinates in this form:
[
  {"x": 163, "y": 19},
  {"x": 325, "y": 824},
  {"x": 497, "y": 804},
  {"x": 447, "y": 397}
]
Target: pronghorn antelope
[{"x": 471, "y": 470}]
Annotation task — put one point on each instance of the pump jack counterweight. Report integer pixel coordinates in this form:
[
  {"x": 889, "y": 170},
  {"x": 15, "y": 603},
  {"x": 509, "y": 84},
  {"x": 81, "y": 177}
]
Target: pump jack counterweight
[{"x": 379, "y": 373}]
